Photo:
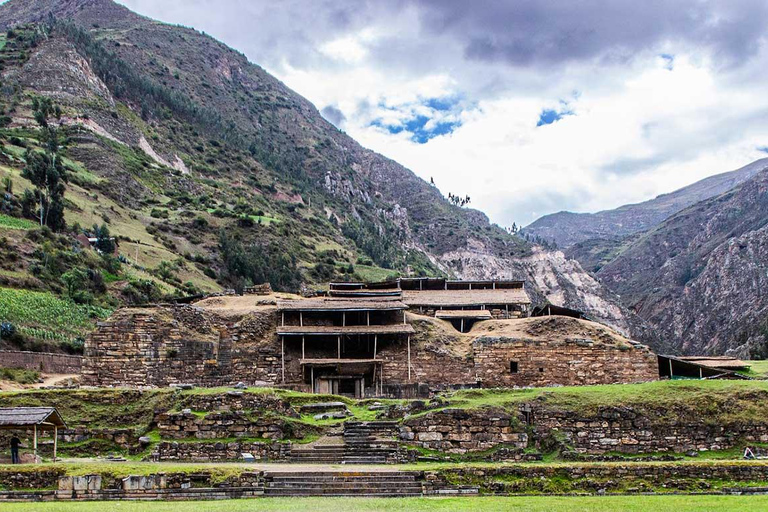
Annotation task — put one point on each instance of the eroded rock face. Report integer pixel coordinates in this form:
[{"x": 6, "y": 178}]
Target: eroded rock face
[
  {"x": 700, "y": 278},
  {"x": 550, "y": 277}
]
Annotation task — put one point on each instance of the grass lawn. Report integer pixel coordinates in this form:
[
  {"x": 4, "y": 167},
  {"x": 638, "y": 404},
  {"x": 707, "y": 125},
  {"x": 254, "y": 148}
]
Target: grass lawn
[{"x": 528, "y": 504}]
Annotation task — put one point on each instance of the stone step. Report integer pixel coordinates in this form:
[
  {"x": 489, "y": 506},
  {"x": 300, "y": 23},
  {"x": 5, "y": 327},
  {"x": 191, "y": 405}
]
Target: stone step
[
  {"x": 340, "y": 474},
  {"x": 357, "y": 494}
]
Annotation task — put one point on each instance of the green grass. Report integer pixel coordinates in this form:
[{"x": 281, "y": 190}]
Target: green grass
[
  {"x": 39, "y": 313},
  {"x": 758, "y": 369},
  {"x": 19, "y": 375},
  {"x": 717, "y": 401},
  {"x": 7, "y": 221},
  {"x": 491, "y": 504},
  {"x": 371, "y": 274}
]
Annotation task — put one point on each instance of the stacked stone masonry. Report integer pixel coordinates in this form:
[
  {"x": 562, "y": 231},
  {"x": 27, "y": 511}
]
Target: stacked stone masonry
[
  {"x": 158, "y": 347},
  {"x": 42, "y": 362}
]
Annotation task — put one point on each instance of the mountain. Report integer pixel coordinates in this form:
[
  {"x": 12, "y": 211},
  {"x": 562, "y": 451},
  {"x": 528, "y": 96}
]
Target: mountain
[
  {"x": 211, "y": 173},
  {"x": 567, "y": 228},
  {"x": 700, "y": 278}
]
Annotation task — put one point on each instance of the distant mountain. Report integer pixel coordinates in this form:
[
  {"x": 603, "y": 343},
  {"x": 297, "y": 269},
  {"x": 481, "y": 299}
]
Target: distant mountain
[
  {"x": 567, "y": 228},
  {"x": 212, "y": 174},
  {"x": 700, "y": 278}
]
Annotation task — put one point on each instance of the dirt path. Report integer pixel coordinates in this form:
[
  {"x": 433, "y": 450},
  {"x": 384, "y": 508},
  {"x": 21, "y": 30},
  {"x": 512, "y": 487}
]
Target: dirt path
[{"x": 48, "y": 380}]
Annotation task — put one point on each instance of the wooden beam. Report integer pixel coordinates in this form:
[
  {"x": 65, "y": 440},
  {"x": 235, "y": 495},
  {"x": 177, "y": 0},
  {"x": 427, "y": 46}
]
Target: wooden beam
[{"x": 409, "y": 358}]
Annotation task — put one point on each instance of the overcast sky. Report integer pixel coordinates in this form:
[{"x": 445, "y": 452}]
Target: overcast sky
[{"x": 529, "y": 107}]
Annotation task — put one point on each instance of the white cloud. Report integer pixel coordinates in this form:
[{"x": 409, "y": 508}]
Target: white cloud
[{"x": 678, "y": 96}]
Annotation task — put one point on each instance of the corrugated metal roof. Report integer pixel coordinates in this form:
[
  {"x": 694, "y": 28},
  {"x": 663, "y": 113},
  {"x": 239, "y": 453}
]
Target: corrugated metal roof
[
  {"x": 447, "y": 298},
  {"x": 357, "y": 304},
  {"x": 11, "y": 417},
  {"x": 479, "y": 314},
  {"x": 349, "y": 329}
]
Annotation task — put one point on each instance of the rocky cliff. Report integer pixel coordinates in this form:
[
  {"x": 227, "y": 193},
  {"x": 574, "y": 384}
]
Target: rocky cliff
[{"x": 700, "y": 277}]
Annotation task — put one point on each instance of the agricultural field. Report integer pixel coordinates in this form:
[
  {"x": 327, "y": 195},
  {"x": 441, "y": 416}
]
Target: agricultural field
[
  {"x": 43, "y": 316},
  {"x": 15, "y": 223},
  {"x": 491, "y": 504}
]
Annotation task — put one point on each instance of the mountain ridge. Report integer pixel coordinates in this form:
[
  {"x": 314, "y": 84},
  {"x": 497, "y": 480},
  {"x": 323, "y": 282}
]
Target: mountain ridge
[
  {"x": 567, "y": 228},
  {"x": 195, "y": 155}
]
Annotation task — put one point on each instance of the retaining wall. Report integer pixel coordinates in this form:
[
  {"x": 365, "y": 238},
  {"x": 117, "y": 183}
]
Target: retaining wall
[{"x": 41, "y": 361}]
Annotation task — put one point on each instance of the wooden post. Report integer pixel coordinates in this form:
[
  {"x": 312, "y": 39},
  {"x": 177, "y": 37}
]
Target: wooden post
[
  {"x": 282, "y": 317},
  {"x": 701, "y": 373},
  {"x": 409, "y": 358},
  {"x": 462, "y": 325},
  {"x": 302, "y": 347},
  {"x": 375, "y": 342},
  {"x": 670, "y": 369},
  {"x": 35, "y": 444},
  {"x": 55, "y": 440},
  {"x": 312, "y": 377},
  {"x": 368, "y": 317},
  {"x": 282, "y": 356},
  {"x": 343, "y": 319},
  {"x": 301, "y": 318},
  {"x": 339, "y": 343}
]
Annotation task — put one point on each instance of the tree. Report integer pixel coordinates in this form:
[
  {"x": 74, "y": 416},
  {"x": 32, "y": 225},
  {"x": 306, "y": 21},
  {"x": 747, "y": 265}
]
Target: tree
[
  {"x": 45, "y": 170},
  {"x": 104, "y": 242}
]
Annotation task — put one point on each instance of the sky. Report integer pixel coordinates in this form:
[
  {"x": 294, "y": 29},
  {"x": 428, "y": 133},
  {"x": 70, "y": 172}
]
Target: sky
[{"x": 528, "y": 106}]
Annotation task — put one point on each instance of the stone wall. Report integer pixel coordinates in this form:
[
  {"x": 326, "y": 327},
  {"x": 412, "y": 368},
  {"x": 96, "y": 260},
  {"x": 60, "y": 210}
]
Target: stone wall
[
  {"x": 622, "y": 429},
  {"x": 42, "y": 362},
  {"x": 463, "y": 431},
  {"x": 631, "y": 478},
  {"x": 218, "y": 425},
  {"x": 181, "y": 344},
  {"x": 564, "y": 362},
  {"x": 220, "y": 451}
]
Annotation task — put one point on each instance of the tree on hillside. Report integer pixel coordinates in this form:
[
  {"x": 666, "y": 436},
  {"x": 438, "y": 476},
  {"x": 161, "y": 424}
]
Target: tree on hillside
[
  {"x": 104, "y": 242},
  {"x": 45, "y": 169},
  {"x": 458, "y": 201}
]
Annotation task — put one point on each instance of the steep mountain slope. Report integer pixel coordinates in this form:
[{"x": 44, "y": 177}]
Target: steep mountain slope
[
  {"x": 700, "y": 277},
  {"x": 567, "y": 228},
  {"x": 213, "y": 173}
]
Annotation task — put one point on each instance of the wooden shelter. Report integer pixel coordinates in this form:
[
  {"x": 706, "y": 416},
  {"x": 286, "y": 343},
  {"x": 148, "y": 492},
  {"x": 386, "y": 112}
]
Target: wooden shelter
[
  {"x": 551, "y": 309},
  {"x": 35, "y": 418},
  {"x": 340, "y": 339},
  {"x": 500, "y": 298},
  {"x": 675, "y": 367}
]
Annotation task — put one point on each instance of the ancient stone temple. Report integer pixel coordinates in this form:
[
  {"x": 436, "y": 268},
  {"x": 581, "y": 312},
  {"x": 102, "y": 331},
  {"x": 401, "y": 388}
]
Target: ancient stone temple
[
  {"x": 400, "y": 338},
  {"x": 339, "y": 339}
]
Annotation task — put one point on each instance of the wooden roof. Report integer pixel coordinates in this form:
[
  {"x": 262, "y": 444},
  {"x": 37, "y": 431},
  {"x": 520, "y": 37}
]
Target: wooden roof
[
  {"x": 474, "y": 314},
  {"x": 311, "y": 330},
  {"x": 318, "y": 362},
  {"x": 16, "y": 417},
  {"x": 340, "y": 304},
  {"x": 730, "y": 363},
  {"x": 458, "y": 298}
]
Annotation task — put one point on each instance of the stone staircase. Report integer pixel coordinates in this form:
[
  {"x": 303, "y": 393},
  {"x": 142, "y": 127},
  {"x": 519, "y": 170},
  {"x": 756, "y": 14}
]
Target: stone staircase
[
  {"x": 348, "y": 483},
  {"x": 371, "y": 442}
]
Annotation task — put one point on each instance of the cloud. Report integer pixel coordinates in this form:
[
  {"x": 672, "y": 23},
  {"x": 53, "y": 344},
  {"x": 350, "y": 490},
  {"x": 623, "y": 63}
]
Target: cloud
[
  {"x": 480, "y": 95},
  {"x": 334, "y": 116}
]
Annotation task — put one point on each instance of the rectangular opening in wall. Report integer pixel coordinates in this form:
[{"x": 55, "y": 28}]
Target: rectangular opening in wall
[
  {"x": 541, "y": 370},
  {"x": 513, "y": 367}
]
